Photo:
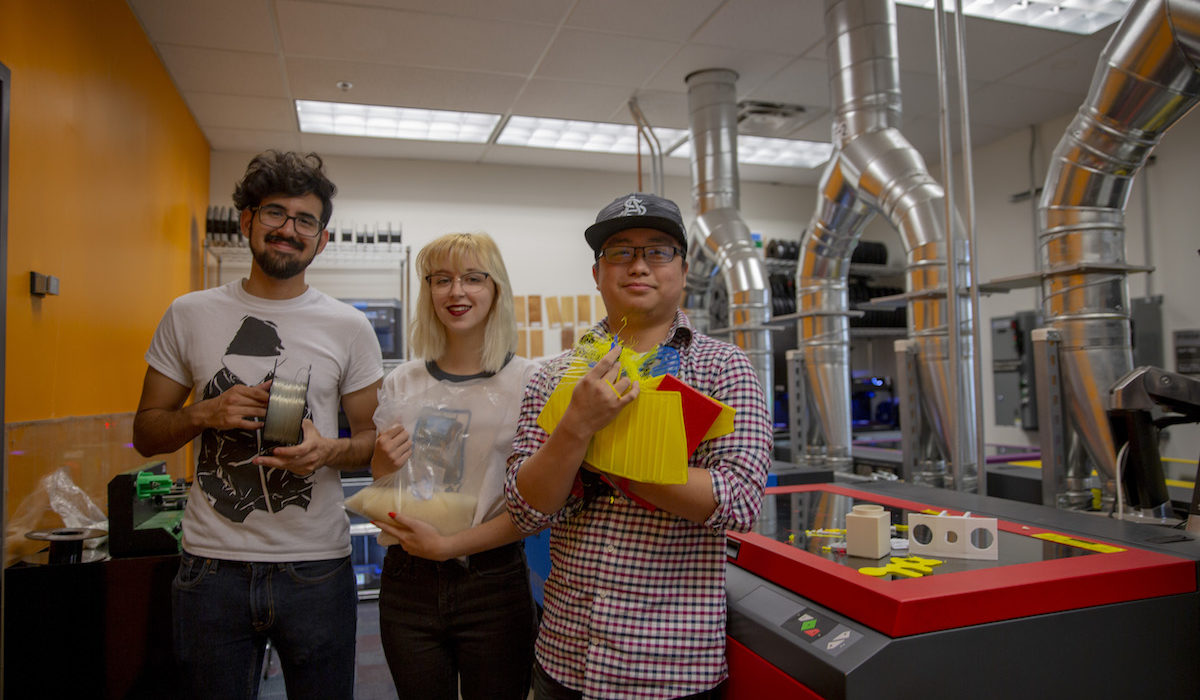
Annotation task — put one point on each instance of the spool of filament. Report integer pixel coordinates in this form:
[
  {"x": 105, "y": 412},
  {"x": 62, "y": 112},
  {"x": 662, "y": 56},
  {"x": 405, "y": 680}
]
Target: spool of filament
[
  {"x": 66, "y": 545},
  {"x": 283, "y": 424}
]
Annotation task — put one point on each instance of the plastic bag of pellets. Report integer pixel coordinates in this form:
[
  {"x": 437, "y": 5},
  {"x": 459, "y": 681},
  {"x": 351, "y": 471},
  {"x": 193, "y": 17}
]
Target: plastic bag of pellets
[{"x": 454, "y": 428}]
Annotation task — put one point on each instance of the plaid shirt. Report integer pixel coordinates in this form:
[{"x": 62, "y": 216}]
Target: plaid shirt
[{"x": 635, "y": 600}]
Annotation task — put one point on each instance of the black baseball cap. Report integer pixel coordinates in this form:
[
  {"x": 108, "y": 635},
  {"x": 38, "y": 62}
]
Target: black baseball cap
[{"x": 637, "y": 210}]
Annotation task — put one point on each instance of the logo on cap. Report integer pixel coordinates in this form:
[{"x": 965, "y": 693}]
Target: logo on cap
[{"x": 634, "y": 207}]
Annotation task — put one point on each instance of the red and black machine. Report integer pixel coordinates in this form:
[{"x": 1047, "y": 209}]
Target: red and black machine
[{"x": 1075, "y": 605}]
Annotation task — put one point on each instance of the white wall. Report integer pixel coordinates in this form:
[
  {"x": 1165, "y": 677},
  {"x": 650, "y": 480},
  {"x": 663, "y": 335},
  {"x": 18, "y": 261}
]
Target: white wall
[
  {"x": 1005, "y": 244},
  {"x": 537, "y": 215}
]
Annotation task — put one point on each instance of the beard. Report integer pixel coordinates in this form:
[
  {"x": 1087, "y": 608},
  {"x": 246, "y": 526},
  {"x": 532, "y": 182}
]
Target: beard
[{"x": 276, "y": 264}]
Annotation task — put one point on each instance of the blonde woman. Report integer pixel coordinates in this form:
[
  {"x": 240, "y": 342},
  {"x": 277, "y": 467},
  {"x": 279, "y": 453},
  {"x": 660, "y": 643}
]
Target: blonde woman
[{"x": 455, "y": 607}]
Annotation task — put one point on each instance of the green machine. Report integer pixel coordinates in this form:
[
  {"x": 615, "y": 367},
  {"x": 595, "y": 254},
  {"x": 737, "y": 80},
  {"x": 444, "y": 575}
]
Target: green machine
[{"x": 145, "y": 507}]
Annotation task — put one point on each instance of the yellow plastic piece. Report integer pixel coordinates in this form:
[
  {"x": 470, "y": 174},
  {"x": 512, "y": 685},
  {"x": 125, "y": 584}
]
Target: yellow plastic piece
[
  {"x": 908, "y": 567},
  {"x": 646, "y": 442},
  {"x": 1082, "y": 544}
]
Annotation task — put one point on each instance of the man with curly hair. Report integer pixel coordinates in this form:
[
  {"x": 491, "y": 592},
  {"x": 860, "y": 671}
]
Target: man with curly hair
[{"x": 266, "y": 543}]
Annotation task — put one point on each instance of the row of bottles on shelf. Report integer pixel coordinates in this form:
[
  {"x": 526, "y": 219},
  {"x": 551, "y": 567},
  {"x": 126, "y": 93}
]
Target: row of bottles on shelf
[{"x": 222, "y": 230}]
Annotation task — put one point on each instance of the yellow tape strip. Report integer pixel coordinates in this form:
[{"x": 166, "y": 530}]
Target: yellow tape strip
[{"x": 1082, "y": 544}]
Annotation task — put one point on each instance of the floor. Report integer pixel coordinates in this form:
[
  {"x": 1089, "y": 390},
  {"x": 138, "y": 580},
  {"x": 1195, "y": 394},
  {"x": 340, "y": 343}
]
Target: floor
[{"x": 371, "y": 678}]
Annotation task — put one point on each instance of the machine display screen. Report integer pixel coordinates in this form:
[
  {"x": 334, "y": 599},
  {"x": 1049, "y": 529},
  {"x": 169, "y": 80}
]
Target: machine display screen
[{"x": 815, "y": 521}]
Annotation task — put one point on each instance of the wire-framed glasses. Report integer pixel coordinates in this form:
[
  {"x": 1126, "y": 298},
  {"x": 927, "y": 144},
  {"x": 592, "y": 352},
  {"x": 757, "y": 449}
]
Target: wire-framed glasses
[
  {"x": 471, "y": 282},
  {"x": 273, "y": 217}
]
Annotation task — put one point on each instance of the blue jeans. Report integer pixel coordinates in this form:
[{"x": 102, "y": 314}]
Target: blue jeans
[
  {"x": 441, "y": 623},
  {"x": 225, "y": 611}
]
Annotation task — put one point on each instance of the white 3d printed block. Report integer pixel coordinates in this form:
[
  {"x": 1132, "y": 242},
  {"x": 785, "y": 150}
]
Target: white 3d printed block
[
  {"x": 868, "y": 532},
  {"x": 960, "y": 536}
]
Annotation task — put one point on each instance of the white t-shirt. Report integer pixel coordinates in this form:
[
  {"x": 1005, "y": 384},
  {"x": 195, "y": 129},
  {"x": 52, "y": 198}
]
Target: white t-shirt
[
  {"x": 485, "y": 407},
  {"x": 216, "y": 338}
]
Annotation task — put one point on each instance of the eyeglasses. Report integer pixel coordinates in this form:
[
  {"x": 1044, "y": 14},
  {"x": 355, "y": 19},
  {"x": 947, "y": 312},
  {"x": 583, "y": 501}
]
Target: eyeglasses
[
  {"x": 274, "y": 217},
  {"x": 652, "y": 254},
  {"x": 471, "y": 282}
]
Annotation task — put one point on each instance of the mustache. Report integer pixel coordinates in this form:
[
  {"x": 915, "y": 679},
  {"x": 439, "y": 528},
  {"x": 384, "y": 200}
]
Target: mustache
[{"x": 272, "y": 238}]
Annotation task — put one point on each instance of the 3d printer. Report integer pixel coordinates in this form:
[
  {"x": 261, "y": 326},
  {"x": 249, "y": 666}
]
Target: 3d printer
[{"x": 145, "y": 507}]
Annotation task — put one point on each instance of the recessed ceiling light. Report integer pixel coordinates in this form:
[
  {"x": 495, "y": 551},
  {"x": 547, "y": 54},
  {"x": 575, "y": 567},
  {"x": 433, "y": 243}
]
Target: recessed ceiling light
[
  {"x": 345, "y": 119},
  {"x": 596, "y": 137},
  {"x": 1072, "y": 16}
]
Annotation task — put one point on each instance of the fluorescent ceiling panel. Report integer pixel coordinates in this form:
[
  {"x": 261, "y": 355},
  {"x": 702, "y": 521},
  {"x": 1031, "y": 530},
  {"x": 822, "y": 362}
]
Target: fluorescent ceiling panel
[
  {"x": 1072, "y": 16},
  {"x": 784, "y": 153},
  {"x": 343, "y": 119},
  {"x": 597, "y": 137}
]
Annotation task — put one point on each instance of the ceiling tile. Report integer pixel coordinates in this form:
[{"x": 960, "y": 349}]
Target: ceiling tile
[
  {"x": 394, "y": 37},
  {"x": 994, "y": 49},
  {"x": 803, "y": 81},
  {"x": 227, "y": 57},
  {"x": 674, "y": 20},
  {"x": 780, "y": 26},
  {"x": 569, "y": 99},
  {"x": 251, "y": 140},
  {"x": 215, "y": 70},
  {"x": 378, "y": 84},
  {"x": 753, "y": 67},
  {"x": 542, "y": 11},
  {"x": 818, "y": 128},
  {"x": 240, "y": 111},
  {"x": 607, "y": 59},
  {"x": 663, "y": 109},
  {"x": 242, "y": 25}
]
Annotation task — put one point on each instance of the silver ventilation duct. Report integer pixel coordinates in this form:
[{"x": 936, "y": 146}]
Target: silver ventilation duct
[
  {"x": 1146, "y": 79},
  {"x": 720, "y": 241},
  {"x": 875, "y": 169}
]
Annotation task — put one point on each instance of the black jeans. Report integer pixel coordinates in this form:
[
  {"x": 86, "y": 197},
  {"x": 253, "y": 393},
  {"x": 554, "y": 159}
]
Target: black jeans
[
  {"x": 441, "y": 622},
  {"x": 546, "y": 688}
]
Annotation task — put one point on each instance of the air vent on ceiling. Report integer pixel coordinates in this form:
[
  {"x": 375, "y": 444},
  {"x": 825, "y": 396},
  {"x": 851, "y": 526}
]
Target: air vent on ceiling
[{"x": 771, "y": 119}]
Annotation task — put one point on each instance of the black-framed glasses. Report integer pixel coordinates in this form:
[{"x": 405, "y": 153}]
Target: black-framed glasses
[
  {"x": 273, "y": 217},
  {"x": 652, "y": 254},
  {"x": 471, "y": 282}
]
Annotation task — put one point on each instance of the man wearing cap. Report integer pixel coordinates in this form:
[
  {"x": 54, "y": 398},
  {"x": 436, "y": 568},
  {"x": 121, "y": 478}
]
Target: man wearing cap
[{"x": 635, "y": 600}]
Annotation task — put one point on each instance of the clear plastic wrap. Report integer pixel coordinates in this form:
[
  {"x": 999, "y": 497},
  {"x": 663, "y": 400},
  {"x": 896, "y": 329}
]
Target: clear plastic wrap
[
  {"x": 57, "y": 492},
  {"x": 436, "y": 485}
]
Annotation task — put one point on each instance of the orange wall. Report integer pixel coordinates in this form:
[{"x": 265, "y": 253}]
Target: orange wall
[{"x": 108, "y": 190}]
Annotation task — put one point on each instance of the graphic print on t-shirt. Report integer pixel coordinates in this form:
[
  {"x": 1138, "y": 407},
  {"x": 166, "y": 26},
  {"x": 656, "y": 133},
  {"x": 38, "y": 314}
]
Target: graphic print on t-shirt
[{"x": 233, "y": 485}]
